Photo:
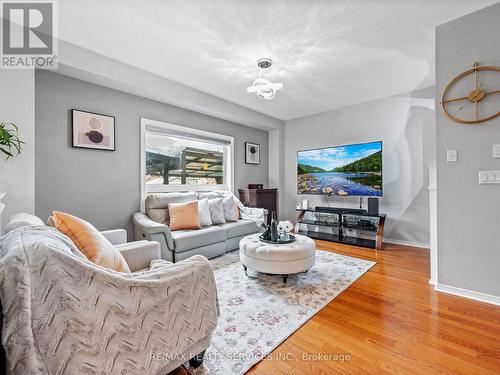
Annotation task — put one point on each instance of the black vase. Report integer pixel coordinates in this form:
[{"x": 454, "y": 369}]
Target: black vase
[
  {"x": 274, "y": 227},
  {"x": 267, "y": 233}
]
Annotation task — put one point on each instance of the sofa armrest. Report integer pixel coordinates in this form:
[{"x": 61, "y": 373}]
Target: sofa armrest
[
  {"x": 139, "y": 254},
  {"x": 115, "y": 236},
  {"x": 145, "y": 228}
]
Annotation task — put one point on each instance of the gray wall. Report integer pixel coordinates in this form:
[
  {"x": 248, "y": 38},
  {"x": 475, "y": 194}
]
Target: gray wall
[
  {"x": 406, "y": 125},
  {"x": 468, "y": 213},
  {"x": 100, "y": 186}
]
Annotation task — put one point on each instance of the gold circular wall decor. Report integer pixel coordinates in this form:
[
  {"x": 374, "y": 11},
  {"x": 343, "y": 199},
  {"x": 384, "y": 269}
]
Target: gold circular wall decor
[{"x": 475, "y": 96}]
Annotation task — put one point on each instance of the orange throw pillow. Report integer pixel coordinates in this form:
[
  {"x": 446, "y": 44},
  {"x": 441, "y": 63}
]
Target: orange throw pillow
[
  {"x": 90, "y": 241},
  {"x": 184, "y": 216}
]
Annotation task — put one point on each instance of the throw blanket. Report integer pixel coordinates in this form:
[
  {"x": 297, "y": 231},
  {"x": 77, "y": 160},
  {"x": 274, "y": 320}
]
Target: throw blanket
[
  {"x": 254, "y": 214},
  {"x": 257, "y": 215},
  {"x": 65, "y": 315}
]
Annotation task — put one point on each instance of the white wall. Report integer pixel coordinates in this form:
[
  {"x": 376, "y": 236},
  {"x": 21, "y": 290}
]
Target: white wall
[
  {"x": 17, "y": 175},
  {"x": 468, "y": 213},
  {"x": 406, "y": 125}
]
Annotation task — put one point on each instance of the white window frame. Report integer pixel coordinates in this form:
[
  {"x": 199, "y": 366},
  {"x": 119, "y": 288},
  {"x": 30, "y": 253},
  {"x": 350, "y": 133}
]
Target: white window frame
[{"x": 172, "y": 129}]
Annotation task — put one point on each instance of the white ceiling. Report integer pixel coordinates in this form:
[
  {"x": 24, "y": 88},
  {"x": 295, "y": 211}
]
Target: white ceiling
[{"x": 328, "y": 54}]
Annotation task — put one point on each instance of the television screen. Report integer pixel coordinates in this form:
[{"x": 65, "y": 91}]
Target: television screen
[{"x": 341, "y": 170}]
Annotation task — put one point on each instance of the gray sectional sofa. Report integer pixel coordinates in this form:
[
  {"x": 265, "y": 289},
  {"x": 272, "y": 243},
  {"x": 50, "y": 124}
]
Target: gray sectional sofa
[{"x": 181, "y": 244}]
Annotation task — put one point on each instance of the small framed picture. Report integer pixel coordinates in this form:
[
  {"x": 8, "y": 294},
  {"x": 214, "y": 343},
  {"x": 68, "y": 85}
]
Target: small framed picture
[
  {"x": 252, "y": 153},
  {"x": 93, "y": 130}
]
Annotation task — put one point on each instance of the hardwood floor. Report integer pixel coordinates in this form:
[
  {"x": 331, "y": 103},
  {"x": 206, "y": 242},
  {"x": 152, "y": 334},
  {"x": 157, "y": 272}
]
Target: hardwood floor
[{"x": 390, "y": 321}]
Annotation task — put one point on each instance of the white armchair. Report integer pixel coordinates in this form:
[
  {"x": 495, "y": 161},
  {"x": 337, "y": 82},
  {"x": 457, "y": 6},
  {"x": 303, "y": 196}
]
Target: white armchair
[
  {"x": 137, "y": 254},
  {"x": 81, "y": 318}
]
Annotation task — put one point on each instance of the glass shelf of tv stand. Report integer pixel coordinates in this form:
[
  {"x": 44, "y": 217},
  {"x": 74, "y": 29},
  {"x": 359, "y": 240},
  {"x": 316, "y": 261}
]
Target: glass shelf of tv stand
[
  {"x": 367, "y": 228},
  {"x": 341, "y": 211},
  {"x": 331, "y": 237},
  {"x": 342, "y": 226}
]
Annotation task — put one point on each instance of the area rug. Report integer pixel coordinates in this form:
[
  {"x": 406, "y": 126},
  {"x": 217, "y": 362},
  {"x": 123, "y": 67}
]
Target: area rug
[{"x": 258, "y": 311}]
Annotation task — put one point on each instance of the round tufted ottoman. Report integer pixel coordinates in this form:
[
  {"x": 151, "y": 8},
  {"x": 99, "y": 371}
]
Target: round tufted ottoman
[{"x": 283, "y": 259}]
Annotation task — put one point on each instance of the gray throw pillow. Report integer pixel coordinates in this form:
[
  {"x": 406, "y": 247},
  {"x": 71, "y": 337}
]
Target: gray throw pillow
[
  {"x": 159, "y": 215},
  {"x": 216, "y": 208}
]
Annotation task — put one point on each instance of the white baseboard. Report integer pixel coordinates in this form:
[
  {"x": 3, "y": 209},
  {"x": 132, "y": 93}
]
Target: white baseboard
[
  {"x": 407, "y": 243},
  {"x": 482, "y": 297}
]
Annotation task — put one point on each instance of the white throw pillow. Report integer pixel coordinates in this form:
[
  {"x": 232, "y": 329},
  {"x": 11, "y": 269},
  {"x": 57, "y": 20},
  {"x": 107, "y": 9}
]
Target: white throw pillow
[
  {"x": 230, "y": 208},
  {"x": 216, "y": 207},
  {"x": 204, "y": 213}
]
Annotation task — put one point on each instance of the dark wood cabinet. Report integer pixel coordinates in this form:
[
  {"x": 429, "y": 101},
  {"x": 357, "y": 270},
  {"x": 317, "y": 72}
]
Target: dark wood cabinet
[{"x": 262, "y": 198}]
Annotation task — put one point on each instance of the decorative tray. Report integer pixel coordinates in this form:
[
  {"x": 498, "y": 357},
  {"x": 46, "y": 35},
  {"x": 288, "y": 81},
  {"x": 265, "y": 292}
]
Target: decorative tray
[{"x": 279, "y": 242}]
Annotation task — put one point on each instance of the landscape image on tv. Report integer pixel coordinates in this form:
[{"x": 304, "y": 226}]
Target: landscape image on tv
[{"x": 341, "y": 170}]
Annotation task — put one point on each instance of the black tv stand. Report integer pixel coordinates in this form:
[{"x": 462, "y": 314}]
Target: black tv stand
[
  {"x": 339, "y": 210},
  {"x": 349, "y": 226}
]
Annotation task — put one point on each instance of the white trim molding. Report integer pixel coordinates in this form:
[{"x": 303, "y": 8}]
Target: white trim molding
[
  {"x": 406, "y": 243},
  {"x": 477, "y": 296},
  {"x": 433, "y": 221}
]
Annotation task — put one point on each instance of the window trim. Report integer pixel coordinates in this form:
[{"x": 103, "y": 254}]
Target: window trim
[{"x": 196, "y": 133}]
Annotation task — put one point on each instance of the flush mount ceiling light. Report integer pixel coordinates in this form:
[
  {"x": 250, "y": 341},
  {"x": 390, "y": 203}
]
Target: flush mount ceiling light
[{"x": 263, "y": 87}]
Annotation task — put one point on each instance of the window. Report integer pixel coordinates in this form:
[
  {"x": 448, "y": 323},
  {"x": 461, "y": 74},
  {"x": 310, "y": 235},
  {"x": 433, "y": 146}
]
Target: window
[
  {"x": 176, "y": 158},
  {"x": 172, "y": 160}
]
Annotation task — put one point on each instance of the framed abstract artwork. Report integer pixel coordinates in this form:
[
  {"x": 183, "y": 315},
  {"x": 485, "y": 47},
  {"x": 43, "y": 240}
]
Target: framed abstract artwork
[
  {"x": 252, "y": 153},
  {"x": 92, "y": 130}
]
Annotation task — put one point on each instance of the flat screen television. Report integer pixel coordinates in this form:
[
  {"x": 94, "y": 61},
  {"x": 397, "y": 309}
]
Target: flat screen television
[{"x": 351, "y": 170}]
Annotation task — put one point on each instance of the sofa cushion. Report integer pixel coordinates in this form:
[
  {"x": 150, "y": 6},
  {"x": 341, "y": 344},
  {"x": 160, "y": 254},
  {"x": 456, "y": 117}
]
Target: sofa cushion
[
  {"x": 208, "y": 195},
  {"x": 239, "y": 228},
  {"x": 190, "y": 239},
  {"x": 161, "y": 200},
  {"x": 159, "y": 215}
]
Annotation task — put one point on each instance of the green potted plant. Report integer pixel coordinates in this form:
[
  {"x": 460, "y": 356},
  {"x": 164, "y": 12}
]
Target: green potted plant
[{"x": 10, "y": 144}]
